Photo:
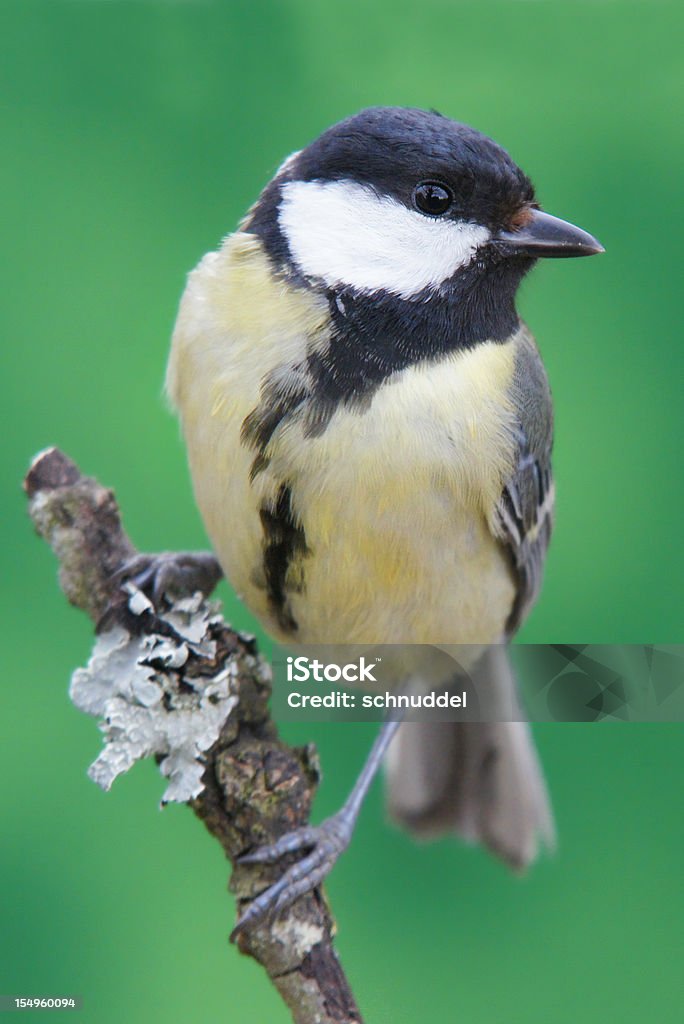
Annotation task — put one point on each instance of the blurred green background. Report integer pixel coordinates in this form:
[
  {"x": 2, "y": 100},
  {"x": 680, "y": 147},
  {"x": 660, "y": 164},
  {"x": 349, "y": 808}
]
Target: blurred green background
[{"x": 134, "y": 136}]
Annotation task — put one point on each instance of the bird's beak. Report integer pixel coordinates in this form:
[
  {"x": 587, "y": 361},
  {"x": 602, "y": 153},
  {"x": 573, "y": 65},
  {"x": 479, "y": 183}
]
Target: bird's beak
[{"x": 544, "y": 235}]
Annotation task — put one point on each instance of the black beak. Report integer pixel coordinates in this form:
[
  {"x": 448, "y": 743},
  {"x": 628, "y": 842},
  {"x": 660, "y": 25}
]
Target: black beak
[{"x": 544, "y": 235}]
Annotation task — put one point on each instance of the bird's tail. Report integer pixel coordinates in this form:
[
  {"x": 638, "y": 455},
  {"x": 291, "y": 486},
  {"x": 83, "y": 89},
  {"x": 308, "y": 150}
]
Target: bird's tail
[{"x": 481, "y": 780}]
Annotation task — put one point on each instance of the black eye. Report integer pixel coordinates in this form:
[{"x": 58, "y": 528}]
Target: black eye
[{"x": 432, "y": 198}]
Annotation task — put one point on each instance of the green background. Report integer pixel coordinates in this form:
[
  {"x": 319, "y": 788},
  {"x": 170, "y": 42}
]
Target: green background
[{"x": 135, "y": 135}]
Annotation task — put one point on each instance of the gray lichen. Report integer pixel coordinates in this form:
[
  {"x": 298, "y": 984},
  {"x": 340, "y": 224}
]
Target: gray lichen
[{"x": 133, "y": 683}]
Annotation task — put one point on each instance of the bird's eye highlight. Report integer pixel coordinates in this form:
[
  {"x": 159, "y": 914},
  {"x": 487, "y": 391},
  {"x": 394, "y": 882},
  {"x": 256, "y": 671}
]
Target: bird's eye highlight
[{"x": 432, "y": 198}]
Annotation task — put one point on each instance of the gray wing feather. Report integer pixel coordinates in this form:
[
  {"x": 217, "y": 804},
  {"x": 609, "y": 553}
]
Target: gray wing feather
[{"x": 525, "y": 510}]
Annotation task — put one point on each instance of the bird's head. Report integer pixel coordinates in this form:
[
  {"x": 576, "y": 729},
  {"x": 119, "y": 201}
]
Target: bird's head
[{"x": 408, "y": 204}]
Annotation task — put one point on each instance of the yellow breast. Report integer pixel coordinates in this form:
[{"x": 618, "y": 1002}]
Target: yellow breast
[{"x": 395, "y": 501}]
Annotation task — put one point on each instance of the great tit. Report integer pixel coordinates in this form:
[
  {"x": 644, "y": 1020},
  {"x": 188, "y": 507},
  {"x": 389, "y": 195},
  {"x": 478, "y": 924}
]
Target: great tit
[{"x": 369, "y": 431}]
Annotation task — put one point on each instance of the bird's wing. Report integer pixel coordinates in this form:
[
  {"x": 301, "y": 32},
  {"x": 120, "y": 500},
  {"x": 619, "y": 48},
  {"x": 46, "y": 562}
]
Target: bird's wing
[{"x": 524, "y": 515}]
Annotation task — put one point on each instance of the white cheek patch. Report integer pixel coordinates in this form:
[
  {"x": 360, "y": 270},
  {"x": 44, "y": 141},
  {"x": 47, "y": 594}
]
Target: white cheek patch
[{"x": 345, "y": 234}]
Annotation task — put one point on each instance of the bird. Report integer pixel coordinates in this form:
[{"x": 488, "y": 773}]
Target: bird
[{"x": 369, "y": 430}]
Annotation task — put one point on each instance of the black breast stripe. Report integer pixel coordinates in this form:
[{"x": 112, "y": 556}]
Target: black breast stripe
[{"x": 284, "y": 545}]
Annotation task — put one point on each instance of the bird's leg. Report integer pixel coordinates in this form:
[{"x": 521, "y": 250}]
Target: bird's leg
[
  {"x": 325, "y": 841},
  {"x": 175, "y": 573}
]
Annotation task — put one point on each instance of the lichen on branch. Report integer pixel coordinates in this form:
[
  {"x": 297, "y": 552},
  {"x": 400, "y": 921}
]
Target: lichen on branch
[
  {"x": 137, "y": 684},
  {"x": 178, "y": 684}
]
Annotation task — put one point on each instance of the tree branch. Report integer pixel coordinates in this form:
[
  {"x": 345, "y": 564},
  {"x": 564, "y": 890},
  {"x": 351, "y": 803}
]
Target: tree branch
[{"x": 251, "y": 787}]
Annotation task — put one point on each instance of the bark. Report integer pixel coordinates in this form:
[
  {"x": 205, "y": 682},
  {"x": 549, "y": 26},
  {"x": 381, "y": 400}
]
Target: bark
[{"x": 255, "y": 786}]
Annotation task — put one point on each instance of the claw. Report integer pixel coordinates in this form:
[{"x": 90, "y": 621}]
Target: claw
[
  {"x": 300, "y": 839},
  {"x": 178, "y": 573},
  {"x": 326, "y": 842}
]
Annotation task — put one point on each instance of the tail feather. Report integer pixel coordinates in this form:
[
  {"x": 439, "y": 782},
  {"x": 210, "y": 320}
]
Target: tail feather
[{"x": 481, "y": 780}]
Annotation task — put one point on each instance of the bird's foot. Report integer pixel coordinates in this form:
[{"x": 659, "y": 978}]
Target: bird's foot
[
  {"x": 176, "y": 574},
  {"x": 325, "y": 842}
]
